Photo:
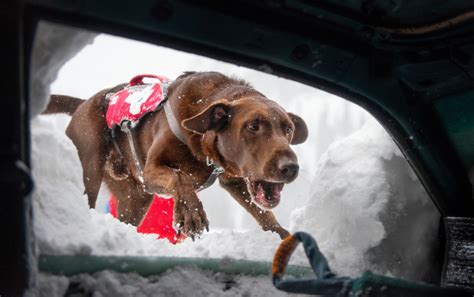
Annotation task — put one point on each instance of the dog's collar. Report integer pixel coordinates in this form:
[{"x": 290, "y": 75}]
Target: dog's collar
[
  {"x": 176, "y": 129},
  {"x": 216, "y": 171},
  {"x": 172, "y": 122}
]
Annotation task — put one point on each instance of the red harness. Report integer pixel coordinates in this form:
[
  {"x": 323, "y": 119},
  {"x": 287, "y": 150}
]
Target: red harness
[
  {"x": 130, "y": 105},
  {"x": 135, "y": 100}
]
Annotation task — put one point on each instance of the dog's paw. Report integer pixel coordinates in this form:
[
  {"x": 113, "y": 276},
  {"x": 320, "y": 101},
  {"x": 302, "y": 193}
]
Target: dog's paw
[{"x": 190, "y": 217}]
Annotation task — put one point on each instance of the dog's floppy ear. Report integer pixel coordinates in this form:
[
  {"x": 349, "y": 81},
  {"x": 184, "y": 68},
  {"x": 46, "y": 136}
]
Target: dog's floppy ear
[
  {"x": 301, "y": 130},
  {"x": 214, "y": 117}
]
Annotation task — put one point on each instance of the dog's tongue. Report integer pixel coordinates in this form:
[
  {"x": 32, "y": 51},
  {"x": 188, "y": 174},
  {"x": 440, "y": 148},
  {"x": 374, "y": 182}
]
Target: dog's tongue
[
  {"x": 266, "y": 195},
  {"x": 269, "y": 192},
  {"x": 260, "y": 193}
]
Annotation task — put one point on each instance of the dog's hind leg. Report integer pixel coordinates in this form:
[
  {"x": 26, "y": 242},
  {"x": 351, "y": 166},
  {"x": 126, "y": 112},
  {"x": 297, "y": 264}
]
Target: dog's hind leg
[
  {"x": 265, "y": 218},
  {"x": 133, "y": 201},
  {"x": 87, "y": 130}
]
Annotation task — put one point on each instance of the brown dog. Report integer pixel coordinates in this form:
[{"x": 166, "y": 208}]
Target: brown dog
[{"x": 221, "y": 119}]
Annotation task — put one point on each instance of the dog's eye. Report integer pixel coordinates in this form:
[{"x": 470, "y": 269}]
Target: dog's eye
[
  {"x": 253, "y": 126},
  {"x": 288, "y": 130}
]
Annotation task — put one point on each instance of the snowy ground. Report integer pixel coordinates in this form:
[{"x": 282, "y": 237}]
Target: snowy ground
[
  {"x": 198, "y": 283},
  {"x": 355, "y": 193}
]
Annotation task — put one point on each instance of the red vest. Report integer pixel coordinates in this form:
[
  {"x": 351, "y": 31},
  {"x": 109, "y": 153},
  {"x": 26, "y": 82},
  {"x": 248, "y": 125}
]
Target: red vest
[{"x": 135, "y": 100}]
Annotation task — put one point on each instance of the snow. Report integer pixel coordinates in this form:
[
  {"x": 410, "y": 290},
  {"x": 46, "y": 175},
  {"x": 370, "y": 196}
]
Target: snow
[
  {"x": 198, "y": 283},
  {"x": 53, "y": 46},
  {"x": 355, "y": 193},
  {"x": 368, "y": 209}
]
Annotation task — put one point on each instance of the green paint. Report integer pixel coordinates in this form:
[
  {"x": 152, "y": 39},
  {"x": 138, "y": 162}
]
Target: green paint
[{"x": 71, "y": 265}]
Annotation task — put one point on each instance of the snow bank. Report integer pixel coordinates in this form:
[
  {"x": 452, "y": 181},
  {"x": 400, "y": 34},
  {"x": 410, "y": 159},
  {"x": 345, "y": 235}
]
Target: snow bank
[
  {"x": 53, "y": 46},
  {"x": 368, "y": 209},
  {"x": 176, "y": 282}
]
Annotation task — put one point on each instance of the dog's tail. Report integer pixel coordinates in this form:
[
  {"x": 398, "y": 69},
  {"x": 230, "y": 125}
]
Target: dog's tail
[{"x": 62, "y": 104}]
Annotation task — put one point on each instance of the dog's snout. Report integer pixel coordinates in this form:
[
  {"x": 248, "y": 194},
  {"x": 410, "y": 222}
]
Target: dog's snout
[{"x": 289, "y": 170}]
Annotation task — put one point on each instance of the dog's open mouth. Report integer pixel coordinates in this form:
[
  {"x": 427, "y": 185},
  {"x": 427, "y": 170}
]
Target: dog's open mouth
[{"x": 265, "y": 194}]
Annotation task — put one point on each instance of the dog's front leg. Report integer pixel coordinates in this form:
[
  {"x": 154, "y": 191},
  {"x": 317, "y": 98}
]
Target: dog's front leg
[
  {"x": 265, "y": 218},
  {"x": 189, "y": 215}
]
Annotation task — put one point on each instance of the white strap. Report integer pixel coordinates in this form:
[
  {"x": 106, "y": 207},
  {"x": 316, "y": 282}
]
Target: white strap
[
  {"x": 126, "y": 128},
  {"x": 173, "y": 123}
]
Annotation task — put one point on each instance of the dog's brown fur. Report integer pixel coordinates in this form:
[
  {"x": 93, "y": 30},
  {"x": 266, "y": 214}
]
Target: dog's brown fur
[{"x": 217, "y": 116}]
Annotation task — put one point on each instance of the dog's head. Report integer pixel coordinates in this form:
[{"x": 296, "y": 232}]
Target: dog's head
[{"x": 250, "y": 138}]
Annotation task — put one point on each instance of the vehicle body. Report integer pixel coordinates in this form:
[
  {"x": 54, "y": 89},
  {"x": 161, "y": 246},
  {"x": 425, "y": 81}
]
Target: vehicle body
[{"x": 409, "y": 63}]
